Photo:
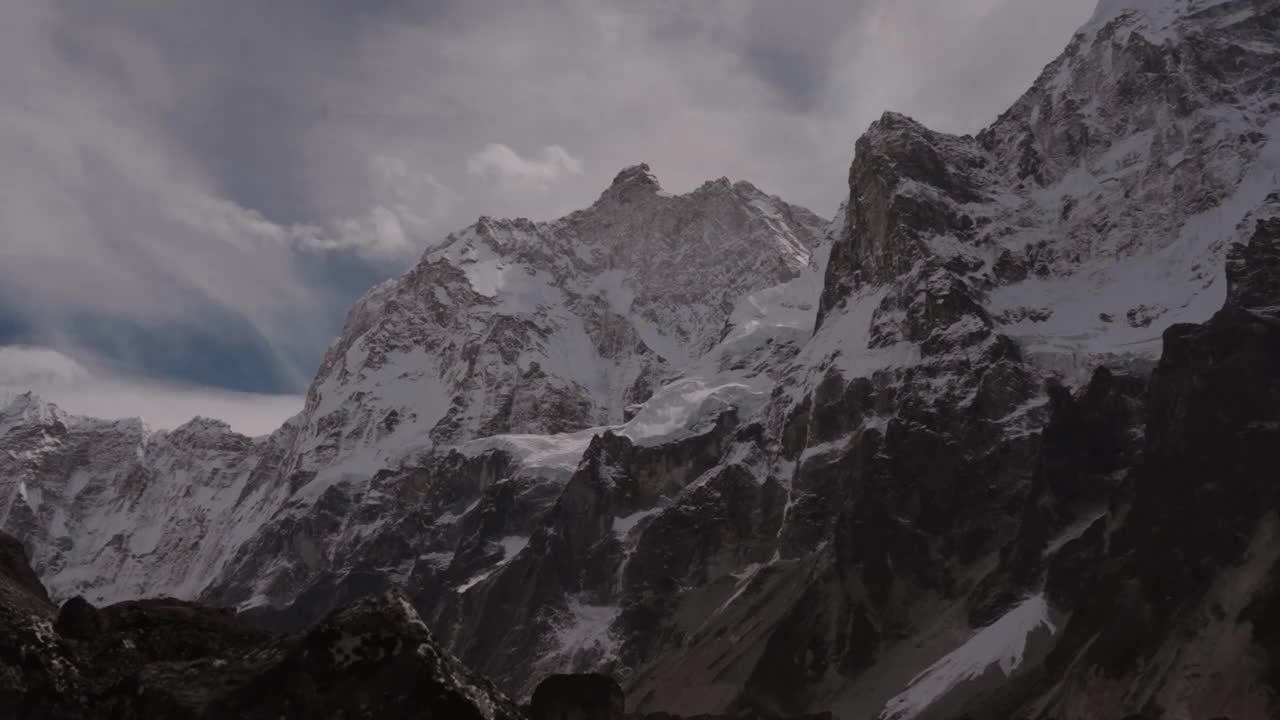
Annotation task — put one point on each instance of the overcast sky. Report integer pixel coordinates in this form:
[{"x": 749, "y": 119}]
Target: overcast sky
[{"x": 194, "y": 191}]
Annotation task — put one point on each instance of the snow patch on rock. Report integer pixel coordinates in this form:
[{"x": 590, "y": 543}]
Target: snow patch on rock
[{"x": 1000, "y": 645}]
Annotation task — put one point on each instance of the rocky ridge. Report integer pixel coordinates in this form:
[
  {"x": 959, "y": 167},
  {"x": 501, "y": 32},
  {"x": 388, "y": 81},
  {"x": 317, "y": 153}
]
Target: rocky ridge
[{"x": 165, "y": 658}]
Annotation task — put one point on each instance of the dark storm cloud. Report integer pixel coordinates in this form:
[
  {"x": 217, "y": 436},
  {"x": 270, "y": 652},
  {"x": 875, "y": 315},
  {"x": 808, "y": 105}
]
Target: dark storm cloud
[
  {"x": 213, "y": 183},
  {"x": 160, "y": 185},
  {"x": 253, "y": 80},
  {"x": 794, "y": 51}
]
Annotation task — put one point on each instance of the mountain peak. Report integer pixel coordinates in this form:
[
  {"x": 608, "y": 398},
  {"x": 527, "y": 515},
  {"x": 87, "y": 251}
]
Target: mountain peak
[
  {"x": 203, "y": 425},
  {"x": 27, "y": 405},
  {"x": 892, "y": 119},
  {"x": 21, "y": 400},
  {"x": 639, "y": 172},
  {"x": 633, "y": 181},
  {"x": 1156, "y": 17}
]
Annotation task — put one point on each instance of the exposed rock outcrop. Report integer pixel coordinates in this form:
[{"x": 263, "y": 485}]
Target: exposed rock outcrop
[
  {"x": 174, "y": 659},
  {"x": 580, "y": 697},
  {"x": 1193, "y": 561}
]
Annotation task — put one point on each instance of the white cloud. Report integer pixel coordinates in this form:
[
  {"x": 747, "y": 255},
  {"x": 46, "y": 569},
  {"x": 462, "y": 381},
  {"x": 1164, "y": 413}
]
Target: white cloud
[
  {"x": 26, "y": 367},
  {"x": 59, "y": 379},
  {"x": 499, "y": 162}
]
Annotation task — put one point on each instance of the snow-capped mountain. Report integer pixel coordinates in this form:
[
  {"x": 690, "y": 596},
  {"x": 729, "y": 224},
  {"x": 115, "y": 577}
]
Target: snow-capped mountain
[
  {"x": 506, "y": 326},
  {"x": 1000, "y": 439},
  {"x": 512, "y": 326},
  {"x": 118, "y": 511}
]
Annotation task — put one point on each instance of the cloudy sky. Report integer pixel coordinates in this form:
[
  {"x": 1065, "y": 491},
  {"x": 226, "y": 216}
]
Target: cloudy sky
[{"x": 192, "y": 192}]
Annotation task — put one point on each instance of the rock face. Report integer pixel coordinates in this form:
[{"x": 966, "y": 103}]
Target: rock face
[
  {"x": 174, "y": 659},
  {"x": 1196, "y": 546},
  {"x": 999, "y": 442},
  {"x": 577, "y": 697}
]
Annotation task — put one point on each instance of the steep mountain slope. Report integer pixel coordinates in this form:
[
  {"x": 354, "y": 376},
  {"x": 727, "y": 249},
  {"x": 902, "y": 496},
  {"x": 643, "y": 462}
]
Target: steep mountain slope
[
  {"x": 507, "y": 326},
  {"x": 114, "y": 510},
  {"x": 517, "y": 327},
  {"x": 510, "y": 327},
  {"x": 1174, "y": 597},
  {"x": 888, "y": 498},
  {"x": 960, "y": 452},
  {"x": 1061, "y": 238}
]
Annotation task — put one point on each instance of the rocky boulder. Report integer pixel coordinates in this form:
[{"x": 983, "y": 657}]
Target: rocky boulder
[
  {"x": 173, "y": 659},
  {"x": 374, "y": 659},
  {"x": 578, "y": 697},
  {"x": 16, "y": 574}
]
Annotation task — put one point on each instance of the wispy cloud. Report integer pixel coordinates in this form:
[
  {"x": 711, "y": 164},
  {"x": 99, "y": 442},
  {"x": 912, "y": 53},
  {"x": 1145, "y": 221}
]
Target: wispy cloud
[
  {"x": 56, "y": 378},
  {"x": 501, "y": 163}
]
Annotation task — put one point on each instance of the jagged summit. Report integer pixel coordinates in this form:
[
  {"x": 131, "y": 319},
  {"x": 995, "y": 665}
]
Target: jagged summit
[
  {"x": 635, "y": 175},
  {"x": 1159, "y": 18},
  {"x": 28, "y": 408},
  {"x": 582, "y": 313},
  {"x": 638, "y": 182},
  {"x": 200, "y": 423},
  {"x": 1099, "y": 206},
  {"x": 20, "y": 402},
  {"x": 892, "y": 119},
  {"x": 635, "y": 183}
]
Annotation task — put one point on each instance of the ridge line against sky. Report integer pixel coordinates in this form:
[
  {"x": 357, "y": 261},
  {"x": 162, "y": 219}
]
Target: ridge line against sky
[{"x": 195, "y": 192}]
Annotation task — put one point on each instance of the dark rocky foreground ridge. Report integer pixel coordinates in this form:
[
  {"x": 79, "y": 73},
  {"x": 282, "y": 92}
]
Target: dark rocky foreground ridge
[{"x": 169, "y": 659}]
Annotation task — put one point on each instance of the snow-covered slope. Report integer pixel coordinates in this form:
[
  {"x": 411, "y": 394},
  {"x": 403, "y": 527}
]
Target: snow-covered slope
[
  {"x": 511, "y": 326},
  {"x": 999, "y": 647},
  {"x": 1149, "y": 142},
  {"x": 114, "y": 510}
]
